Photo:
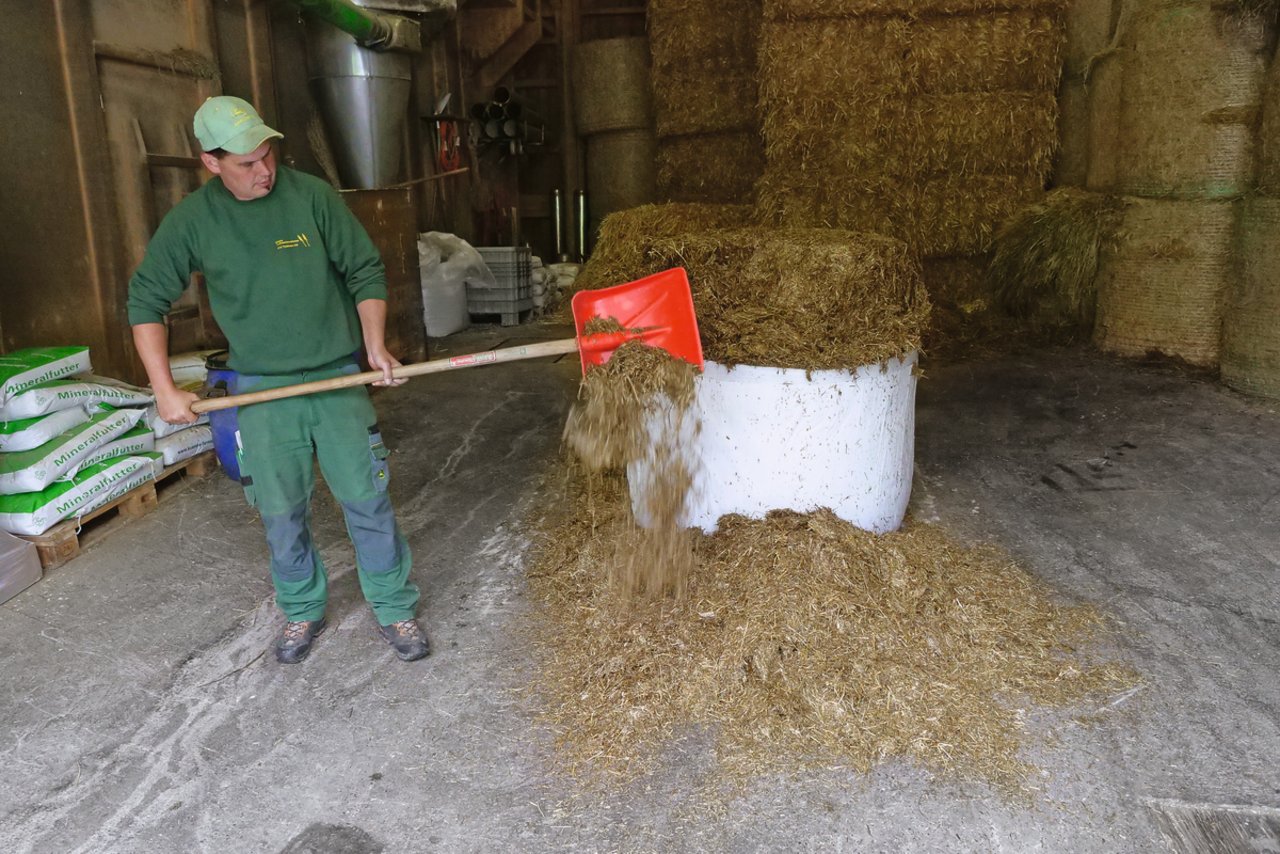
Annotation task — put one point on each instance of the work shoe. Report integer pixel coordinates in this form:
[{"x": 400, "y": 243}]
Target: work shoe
[
  {"x": 295, "y": 640},
  {"x": 407, "y": 639}
]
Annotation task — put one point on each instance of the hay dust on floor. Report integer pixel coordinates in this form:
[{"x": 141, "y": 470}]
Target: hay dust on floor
[{"x": 799, "y": 642}]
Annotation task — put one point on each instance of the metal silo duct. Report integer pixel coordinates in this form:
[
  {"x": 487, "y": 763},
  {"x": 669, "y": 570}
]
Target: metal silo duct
[{"x": 363, "y": 97}]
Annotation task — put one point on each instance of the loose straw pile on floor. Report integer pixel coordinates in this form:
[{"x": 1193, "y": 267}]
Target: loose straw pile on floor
[
  {"x": 1045, "y": 259},
  {"x": 801, "y": 642}
]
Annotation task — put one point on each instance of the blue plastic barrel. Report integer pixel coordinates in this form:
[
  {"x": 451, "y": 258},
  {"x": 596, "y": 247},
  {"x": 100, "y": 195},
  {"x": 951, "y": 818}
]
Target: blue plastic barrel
[{"x": 223, "y": 421}]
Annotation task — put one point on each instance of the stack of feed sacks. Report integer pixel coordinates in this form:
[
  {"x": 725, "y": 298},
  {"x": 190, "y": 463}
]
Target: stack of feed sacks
[
  {"x": 926, "y": 120},
  {"x": 69, "y": 441},
  {"x": 704, "y": 89},
  {"x": 177, "y": 442},
  {"x": 1190, "y": 76},
  {"x": 613, "y": 110},
  {"x": 1251, "y": 326}
]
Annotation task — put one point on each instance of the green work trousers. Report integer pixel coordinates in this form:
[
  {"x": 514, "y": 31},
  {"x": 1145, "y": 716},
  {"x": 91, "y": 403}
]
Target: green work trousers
[{"x": 278, "y": 444}]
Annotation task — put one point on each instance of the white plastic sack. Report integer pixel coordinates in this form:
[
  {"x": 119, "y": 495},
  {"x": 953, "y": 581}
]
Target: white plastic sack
[
  {"x": 139, "y": 440},
  {"x": 34, "y": 470},
  {"x": 188, "y": 369},
  {"x": 162, "y": 428},
  {"x": 31, "y": 433},
  {"x": 185, "y": 444},
  {"x": 447, "y": 263},
  {"x": 64, "y": 394},
  {"x": 33, "y": 513},
  {"x": 24, "y": 369}
]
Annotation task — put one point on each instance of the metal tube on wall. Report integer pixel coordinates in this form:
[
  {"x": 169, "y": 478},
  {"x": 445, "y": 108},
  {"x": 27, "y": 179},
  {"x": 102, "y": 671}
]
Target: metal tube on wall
[
  {"x": 557, "y": 225},
  {"x": 580, "y": 214}
]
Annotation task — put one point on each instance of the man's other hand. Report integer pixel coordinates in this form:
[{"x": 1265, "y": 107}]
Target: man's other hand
[
  {"x": 381, "y": 360},
  {"x": 175, "y": 406}
]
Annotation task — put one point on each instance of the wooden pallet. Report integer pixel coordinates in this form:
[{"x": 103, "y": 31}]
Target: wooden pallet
[{"x": 65, "y": 540}]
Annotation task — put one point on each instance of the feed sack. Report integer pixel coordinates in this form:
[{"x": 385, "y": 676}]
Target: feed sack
[
  {"x": 33, "y": 470},
  {"x": 33, "y": 513}
]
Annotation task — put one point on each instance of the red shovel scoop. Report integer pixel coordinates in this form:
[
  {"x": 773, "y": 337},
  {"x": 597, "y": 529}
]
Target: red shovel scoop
[{"x": 657, "y": 310}]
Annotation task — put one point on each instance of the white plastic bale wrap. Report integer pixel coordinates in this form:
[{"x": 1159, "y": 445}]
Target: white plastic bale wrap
[{"x": 760, "y": 439}]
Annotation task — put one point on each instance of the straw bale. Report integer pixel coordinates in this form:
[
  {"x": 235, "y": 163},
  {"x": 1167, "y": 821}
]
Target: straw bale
[
  {"x": 704, "y": 65},
  {"x": 958, "y": 280},
  {"x": 611, "y": 85},
  {"x": 813, "y": 299},
  {"x": 1090, "y": 26},
  {"x": 997, "y": 51},
  {"x": 621, "y": 171},
  {"x": 1071, "y": 163},
  {"x": 708, "y": 35},
  {"x": 780, "y": 10},
  {"x": 981, "y": 133},
  {"x": 1191, "y": 92},
  {"x": 1045, "y": 259},
  {"x": 1161, "y": 289},
  {"x": 716, "y": 168},
  {"x": 1269, "y": 133},
  {"x": 811, "y": 195},
  {"x": 868, "y": 125},
  {"x": 958, "y": 214},
  {"x": 801, "y": 643},
  {"x": 691, "y": 101},
  {"x": 1251, "y": 332},
  {"x": 1103, "y": 85},
  {"x": 619, "y": 254},
  {"x": 825, "y": 80}
]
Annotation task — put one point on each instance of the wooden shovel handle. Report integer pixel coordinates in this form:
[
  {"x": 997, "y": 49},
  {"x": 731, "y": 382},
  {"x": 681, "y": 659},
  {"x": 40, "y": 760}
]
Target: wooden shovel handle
[{"x": 472, "y": 360}]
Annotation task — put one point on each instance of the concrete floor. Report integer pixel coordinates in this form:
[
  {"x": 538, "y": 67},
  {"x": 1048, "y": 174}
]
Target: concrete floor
[{"x": 141, "y": 714}]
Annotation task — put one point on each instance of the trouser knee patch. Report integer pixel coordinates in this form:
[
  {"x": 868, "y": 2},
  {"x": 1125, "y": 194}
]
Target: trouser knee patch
[
  {"x": 289, "y": 539},
  {"x": 372, "y": 525}
]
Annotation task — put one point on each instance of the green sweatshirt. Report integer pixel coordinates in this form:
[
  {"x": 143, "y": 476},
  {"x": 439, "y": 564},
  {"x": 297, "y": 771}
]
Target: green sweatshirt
[{"x": 284, "y": 272}]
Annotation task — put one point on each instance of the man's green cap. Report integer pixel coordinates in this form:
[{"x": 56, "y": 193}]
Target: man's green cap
[{"x": 231, "y": 124}]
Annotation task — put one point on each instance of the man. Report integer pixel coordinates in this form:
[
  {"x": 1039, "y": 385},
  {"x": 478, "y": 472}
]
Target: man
[{"x": 297, "y": 286}]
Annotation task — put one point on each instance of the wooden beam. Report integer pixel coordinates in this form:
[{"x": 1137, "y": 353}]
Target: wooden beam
[{"x": 500, "y": 64}]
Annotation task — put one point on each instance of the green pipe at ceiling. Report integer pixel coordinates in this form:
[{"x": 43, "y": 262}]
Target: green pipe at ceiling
[{"x": 367, "y": 27}]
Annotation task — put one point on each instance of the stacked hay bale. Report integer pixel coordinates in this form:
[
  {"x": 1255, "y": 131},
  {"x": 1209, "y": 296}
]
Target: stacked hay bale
[
  {"x": 1251, "y": 326},
  {"x": 1190, "y": 76},
  {"x": 620, "y": 253},
  {"x": 613, "y": 109},
  {"x": 814, "y": 299},
  {"x": 704, "y": 88},
  {"x": 1089, "y": 33},
  {"x": 807, "y": 298},
  {"x": 927, "y": 121}
]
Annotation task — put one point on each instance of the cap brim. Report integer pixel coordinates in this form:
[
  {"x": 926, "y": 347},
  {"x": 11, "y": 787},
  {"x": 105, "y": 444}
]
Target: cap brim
[{"x": 248, "y": 142}]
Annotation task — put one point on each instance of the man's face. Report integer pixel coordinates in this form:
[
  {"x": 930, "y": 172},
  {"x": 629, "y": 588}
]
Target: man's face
[{"x": 247, "y": 176}]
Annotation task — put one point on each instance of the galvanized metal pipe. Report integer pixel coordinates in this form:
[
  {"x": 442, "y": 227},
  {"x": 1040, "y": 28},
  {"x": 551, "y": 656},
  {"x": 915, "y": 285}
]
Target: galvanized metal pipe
[
  {"x": 557, "y": 224},
  {"x": 580, "y": 212}
]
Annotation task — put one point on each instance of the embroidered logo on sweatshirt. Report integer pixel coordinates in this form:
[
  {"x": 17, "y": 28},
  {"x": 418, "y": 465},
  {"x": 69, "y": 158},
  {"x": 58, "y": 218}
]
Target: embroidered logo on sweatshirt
[{"x": 295, "y": 242}]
